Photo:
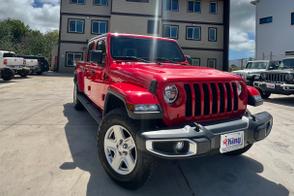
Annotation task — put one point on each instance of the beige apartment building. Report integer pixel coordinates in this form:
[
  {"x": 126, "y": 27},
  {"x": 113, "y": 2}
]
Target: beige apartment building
[{"x": 201, "y": 27}]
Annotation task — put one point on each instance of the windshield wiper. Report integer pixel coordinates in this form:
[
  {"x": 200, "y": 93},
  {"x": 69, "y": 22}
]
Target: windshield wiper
[
  {"x": 131, "y": 58},
  {"x": 162, "y": 59}
]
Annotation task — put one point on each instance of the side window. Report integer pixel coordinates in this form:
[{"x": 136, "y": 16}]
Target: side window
[
  {"x": 90, "y": 48},
  {"x": 101, "y": 46}
]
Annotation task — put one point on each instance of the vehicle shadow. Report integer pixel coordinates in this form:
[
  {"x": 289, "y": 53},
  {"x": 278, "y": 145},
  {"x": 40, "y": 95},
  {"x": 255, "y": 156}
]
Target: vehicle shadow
[
  {"x": 215, "y": 175},
  {"x": 287, "y": 101}
]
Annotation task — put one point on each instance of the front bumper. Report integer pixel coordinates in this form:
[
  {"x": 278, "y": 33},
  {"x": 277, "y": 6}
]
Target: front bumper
[
  {"x": 202, "y": 140},
  {"x": 277, "y": 88}
]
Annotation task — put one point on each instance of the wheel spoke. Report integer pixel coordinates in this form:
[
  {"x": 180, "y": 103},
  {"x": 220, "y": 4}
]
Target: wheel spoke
[
  {"x": 110, "y": 144},
  {"x": 129, "y": 161},
  {"x": 116, "y": 162},
  {"x": 118, "y": 133}
]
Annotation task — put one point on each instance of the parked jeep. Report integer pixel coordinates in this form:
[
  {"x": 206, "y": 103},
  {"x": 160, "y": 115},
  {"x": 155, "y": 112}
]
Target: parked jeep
[
  {"x": 280, "y": 81},
  {"x": 254, "y": 69},
  {"x": 150, "y": 103},
  {"x": 16, "y": 64}
]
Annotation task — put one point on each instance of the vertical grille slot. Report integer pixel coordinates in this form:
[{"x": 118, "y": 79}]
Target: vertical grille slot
[
  {"x": 206, "y": 99},
  {"x": 222, "y": 97},
  {"x": 197, "y": 100},
  {"x": 188, "y": 100},
  {"x": 214, "y": 98},
  {"x": 235, "y": 97},
  {"x": 229, "y": 96}
]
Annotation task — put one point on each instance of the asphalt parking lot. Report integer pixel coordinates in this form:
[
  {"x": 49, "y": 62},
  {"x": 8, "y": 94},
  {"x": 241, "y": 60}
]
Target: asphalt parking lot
[{"x": 48, "y": 148}]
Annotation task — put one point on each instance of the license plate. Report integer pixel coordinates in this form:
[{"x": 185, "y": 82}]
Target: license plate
[
  {"x": 232, "y": 141},
  {"x": 270, "y": 85}
]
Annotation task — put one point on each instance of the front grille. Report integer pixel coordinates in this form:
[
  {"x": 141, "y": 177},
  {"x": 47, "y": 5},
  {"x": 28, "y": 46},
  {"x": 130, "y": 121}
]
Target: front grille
[
  {"x": 203, "y": 99},
  {"x": 275, "y": 78}
]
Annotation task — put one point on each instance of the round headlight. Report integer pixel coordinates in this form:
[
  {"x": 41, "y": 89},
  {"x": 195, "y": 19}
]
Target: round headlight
[
  {"x": 239, "y": 89},
  {"x": 171, "y": 94},
  {"x": 263, "y": 76},
  {"x": 289, "y": 77}
]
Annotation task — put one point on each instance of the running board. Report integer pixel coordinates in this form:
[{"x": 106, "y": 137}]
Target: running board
[{"x": 90, "y": 107}]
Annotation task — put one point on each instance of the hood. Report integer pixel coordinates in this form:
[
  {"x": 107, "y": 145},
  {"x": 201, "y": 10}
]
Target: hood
[
  {"x": 248, "y": 71},
  {"x": 144, "y": 73}
]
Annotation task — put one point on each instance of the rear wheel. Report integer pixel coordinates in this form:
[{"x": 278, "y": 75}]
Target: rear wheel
[
  {"x": 239, "y": 152},
  {"x": 23, "y": 74},
  {"x": 77, "y": 104},
  {"x": 118, "y": 151},
  {"x": 7, "y": 74}
]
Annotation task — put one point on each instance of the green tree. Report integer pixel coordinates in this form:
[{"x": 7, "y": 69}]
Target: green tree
[{"x": 18, "y": 37}]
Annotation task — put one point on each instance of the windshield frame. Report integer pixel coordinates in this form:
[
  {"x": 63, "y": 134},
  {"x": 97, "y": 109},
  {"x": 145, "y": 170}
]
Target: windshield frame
[{"x": 182, "y": 60}]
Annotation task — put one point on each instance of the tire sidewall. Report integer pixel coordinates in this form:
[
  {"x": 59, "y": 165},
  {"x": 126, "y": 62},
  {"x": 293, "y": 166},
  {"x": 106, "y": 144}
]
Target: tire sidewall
[{"x": 140, "y": 172}]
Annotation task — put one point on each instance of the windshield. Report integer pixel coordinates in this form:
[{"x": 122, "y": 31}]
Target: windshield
[
  {"x": 146, "y": 50},
  {"x": 287, "y": 64},
  {"x": 257, "y": 65}
]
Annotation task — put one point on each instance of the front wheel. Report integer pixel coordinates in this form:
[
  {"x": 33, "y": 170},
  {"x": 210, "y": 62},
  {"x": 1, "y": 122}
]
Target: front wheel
[
  {"x": 118, "y": 151},
  {"x": 264, "y": 94}
]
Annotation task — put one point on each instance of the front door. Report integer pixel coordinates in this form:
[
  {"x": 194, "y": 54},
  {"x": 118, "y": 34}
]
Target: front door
[{"x": 99, "y": 79}]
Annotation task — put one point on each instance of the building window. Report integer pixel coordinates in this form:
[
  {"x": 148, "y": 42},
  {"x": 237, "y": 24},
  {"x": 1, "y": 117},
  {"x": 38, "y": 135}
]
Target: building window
[
  {"x": 152, "y": 27},
  {"x": 212, "y": 34},
  {"x": 266, "y": 20},
  {"x": 193, "y": 33},
  {"x": 72, "y": 58},
  {"x": 213, "y": 7},
  {"x": 101, "y": 2},
  {"x": 99, "y": 27},
  {"x": 211, "y": 63},
  {"x": 195, "y": 61},
  {"x": 76, "y": 25},
  {"x": 171, "y": 31},
  {"x": 194, "y": 6},
  {"x": 292, "y": 18},
  {"x": 171, "y": 5},
  {"x": 78, "y": 2}
]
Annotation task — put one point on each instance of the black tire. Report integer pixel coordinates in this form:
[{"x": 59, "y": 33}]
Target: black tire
[
  {"x": 7, "y": 74},
  {"x": 77, "y": 104},
  {"x": 23, "y": 75},
  {"x": 264, "y": 95},
  {"x": 39, "y": 72},
  {"x": 144, "y": 164},
  {"x": 239, "y": 152}
]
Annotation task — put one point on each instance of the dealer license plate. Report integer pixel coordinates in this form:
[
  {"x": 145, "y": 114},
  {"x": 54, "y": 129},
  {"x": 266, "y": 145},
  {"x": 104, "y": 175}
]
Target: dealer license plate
[
  {"x": 270, "y": 85},
  {"x": 232, "y": 141}
]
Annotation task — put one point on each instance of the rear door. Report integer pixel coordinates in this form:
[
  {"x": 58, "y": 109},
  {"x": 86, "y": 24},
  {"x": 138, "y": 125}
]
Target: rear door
[{"x": 88, "y": 71}]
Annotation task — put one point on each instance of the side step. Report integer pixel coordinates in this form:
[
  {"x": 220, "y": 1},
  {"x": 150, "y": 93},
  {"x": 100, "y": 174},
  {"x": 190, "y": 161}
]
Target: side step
[{"x": 90, "y": 107}]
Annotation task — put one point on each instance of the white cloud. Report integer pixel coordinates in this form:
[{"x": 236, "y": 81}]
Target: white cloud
[
  {"x": 45, "y": 18},
  {"x": 242, "y": 24}
]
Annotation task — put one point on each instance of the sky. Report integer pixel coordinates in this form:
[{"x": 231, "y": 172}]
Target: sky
[{"x": 43, "y": 15}]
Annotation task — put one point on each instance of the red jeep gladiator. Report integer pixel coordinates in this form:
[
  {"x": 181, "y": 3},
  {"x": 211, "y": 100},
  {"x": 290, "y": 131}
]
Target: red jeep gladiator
[{"x": 150, "y": 102}]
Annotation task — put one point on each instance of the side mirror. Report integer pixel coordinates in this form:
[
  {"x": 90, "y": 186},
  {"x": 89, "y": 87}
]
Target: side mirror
[
  {"x": 96, "y": 56},
  {"x": 189, "y": 59}
]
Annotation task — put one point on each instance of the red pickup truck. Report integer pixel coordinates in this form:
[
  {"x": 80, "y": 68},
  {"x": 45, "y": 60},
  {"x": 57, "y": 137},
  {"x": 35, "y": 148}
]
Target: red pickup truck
[{"x": 150, "y": 102}]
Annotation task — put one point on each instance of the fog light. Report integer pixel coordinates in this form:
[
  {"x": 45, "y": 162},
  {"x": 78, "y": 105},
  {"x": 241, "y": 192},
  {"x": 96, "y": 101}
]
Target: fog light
[{"x": 179, "y": 146}]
